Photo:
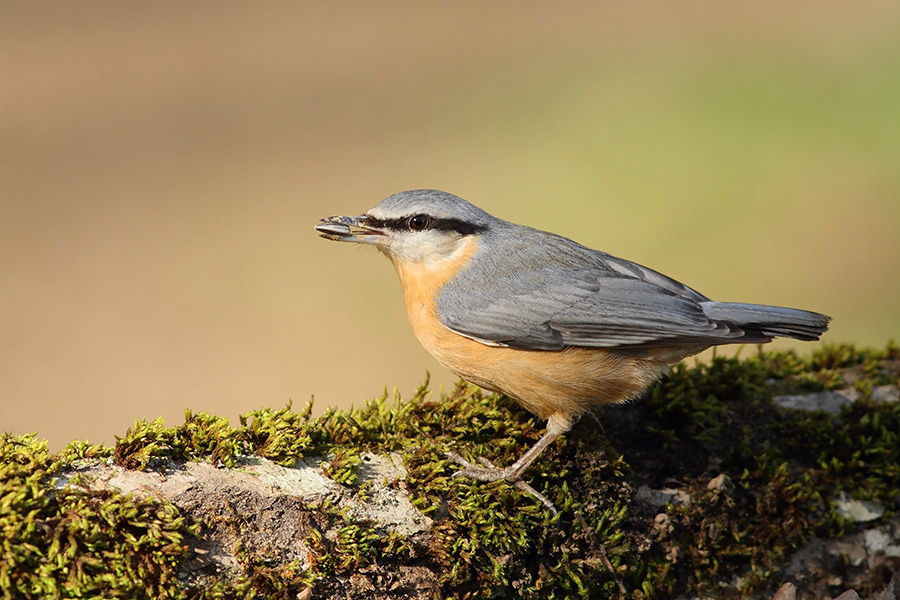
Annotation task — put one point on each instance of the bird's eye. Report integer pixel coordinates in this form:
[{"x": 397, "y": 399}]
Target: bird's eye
[{"x": 418, "y": 222}]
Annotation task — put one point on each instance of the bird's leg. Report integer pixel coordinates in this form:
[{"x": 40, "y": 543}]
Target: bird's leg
[
  {"x": 512, "y": 473},
  {"x": 556, "y": 426}
]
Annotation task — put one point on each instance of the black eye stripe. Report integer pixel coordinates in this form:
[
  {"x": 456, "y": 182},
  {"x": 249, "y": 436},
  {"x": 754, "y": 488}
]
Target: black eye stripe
[{"x": 402, "y": 224}]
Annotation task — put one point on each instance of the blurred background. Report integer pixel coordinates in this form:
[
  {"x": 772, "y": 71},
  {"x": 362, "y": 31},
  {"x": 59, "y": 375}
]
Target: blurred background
[{"x": 162, "y": 166}]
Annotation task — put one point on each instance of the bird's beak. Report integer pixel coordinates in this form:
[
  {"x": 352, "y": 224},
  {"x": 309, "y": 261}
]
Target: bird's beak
[{"x": 349, "y": 229}]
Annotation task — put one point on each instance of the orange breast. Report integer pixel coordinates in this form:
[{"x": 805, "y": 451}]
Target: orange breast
[{"x": 562, "y": 383}]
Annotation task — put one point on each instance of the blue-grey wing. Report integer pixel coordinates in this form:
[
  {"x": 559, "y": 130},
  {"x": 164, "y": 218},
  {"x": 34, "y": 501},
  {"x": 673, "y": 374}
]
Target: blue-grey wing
[{"x": 554, "y": 294}]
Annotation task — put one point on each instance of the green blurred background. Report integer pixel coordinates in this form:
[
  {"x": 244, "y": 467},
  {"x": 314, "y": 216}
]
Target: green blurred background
[{"x": 163, "y": 165}]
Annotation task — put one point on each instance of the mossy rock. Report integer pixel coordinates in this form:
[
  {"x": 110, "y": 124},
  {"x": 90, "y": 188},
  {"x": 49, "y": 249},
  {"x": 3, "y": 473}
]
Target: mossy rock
[{"x": 704, "y": 486}]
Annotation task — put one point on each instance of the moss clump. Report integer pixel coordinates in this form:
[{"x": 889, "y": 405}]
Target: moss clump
[
  {"x": 343, "y": 466},
  {"x": 200, "y": 437},
  {"x": 496, "y": 540},
  {"x": 281, "y": 436},
  {"x": 748, "y": 531},
  {"x": 73, "y": 543},
  {"x": 260, "y": 580},
  {"x": 783, "y": 466},
  {"x": 857, "y": 452}
]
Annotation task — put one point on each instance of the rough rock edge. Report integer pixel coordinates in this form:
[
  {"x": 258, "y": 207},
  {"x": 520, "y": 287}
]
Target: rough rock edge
[{"x": 270, "y": 510}]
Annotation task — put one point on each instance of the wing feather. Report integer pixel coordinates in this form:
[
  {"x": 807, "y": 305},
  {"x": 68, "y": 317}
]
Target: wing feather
[{"x": 546, "y": 293}]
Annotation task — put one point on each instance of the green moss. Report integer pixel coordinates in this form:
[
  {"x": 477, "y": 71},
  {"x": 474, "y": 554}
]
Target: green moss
[
  {"x": 281, "y": 436},
  {"x": 83, "y": 451},
  {"x": 749, "y": 531},
  {"x": 343, "y": 466},
  {"x": 261, "y": 580},
  {"x": 783, "y": 468},
  {"x": 859, "y": 452},
  {"x": 72, "y": 543},
  {"x": 200, "y": 437},
  {"x": 488, "y": 537}
]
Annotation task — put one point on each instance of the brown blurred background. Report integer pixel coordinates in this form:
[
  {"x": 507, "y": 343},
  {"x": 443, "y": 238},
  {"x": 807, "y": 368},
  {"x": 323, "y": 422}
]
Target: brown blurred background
[{"x": 162, "y": 166}]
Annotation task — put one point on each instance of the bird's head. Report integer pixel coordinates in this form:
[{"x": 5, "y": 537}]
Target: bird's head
[{"x": 421, "y": 227}]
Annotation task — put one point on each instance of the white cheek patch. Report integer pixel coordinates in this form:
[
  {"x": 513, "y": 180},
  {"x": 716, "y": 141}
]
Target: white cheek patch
[
  {"x": 419, "y": 247},
  {"x": 426, "y": 248}
]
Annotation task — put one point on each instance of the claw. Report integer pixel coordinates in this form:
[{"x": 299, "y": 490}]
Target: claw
[{"x": 489, "y": 472}]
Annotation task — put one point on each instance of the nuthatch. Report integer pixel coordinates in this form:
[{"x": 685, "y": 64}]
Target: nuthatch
[{"x": 548, "y": 322}]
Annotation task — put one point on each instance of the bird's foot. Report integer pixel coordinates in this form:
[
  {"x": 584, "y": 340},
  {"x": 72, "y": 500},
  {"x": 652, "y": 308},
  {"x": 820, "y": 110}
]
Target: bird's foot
[
  {"x": 486, "y": 473},
  {"x": 489, "y": 472}
]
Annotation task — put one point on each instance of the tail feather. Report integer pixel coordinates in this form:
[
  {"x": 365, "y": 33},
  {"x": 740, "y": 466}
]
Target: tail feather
[{"x": 770, "y": 321}]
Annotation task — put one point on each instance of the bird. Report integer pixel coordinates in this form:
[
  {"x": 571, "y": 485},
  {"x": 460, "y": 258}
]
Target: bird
[{"x": 552, "y": 324}]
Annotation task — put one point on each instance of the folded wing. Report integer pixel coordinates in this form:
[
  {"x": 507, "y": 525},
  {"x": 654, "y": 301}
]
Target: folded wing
[{"x": 569, "y": 295}]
